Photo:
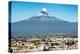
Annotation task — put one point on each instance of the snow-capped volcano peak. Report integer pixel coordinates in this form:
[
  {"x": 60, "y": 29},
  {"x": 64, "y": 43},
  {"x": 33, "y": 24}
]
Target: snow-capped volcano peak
[
  {"x": 43, "y": 12},
  {"x": 44, "y": 16}
]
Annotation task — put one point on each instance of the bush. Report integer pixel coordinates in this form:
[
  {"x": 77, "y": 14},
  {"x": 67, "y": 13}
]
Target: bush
[{"x": 69, "y": 43}]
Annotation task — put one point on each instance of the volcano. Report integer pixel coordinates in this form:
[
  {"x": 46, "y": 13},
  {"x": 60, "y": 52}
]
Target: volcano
[{"x": 43, "y": 23}]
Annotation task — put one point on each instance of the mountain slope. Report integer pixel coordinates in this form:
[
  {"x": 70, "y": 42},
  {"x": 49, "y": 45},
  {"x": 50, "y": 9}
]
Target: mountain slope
[
  {"x": 37, "y": 25},
  {"x": 43, "y": 23}
]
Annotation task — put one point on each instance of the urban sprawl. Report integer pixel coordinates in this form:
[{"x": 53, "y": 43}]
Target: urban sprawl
[{"x": 31, "y": 43}]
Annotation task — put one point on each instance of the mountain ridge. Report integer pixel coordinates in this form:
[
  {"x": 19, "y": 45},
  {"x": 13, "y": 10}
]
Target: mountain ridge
[{"x": 43, "y": 23}]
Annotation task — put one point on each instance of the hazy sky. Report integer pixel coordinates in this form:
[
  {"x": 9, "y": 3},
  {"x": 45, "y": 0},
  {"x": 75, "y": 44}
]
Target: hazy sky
[{"x": 24, "y": 10}]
